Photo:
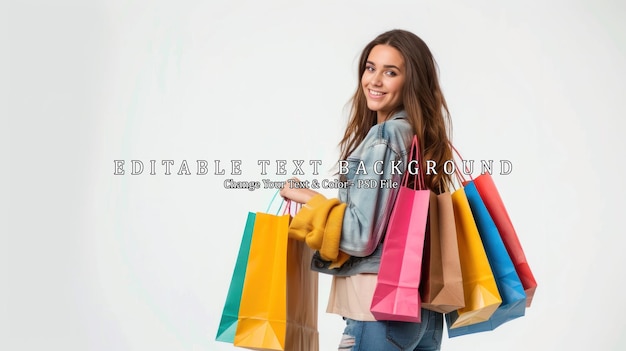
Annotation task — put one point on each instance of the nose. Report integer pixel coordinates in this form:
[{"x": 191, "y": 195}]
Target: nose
[{"x": 377, "y": 79}]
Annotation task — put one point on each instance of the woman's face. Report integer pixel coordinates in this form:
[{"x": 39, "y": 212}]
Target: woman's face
[{"x": 383, "y": 80}]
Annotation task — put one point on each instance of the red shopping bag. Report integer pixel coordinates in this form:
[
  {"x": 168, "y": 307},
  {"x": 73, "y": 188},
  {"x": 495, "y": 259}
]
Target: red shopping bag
[
  {"x": 397, "y": 296},
  {"x": 491, "y": 197}
]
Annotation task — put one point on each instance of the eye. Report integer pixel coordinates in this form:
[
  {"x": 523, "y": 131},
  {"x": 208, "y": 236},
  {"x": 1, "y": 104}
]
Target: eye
[
  {"x": 391, "y": 73},
  {"x": 369, "y": 68}
]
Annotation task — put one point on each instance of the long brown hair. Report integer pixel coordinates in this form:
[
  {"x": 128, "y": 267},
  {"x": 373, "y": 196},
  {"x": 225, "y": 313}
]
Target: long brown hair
[{"x": 422, "y": 99}]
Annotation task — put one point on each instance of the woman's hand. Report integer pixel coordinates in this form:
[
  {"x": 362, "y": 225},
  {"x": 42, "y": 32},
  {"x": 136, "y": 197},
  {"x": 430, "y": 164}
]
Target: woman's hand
[{"x": 297, "y": 191}]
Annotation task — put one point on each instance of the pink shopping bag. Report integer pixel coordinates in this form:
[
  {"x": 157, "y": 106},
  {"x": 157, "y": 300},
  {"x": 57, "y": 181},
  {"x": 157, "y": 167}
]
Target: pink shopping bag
[{"x": 397, "y": 296}]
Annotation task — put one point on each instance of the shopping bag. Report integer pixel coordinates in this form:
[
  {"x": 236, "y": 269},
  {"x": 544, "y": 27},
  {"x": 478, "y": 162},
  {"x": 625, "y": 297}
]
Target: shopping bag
[
  {"x": 482, "y": 297},
  {"x": 230, "y": 314},
  {"x": 396, "y": 295},
  {"x": 279, "y": 299},
  {"x": 262, "y": 320},
  {"x": 509, "y": 285},
  {"x": 302, "y": 299},
  {"x": 442, "y": 280},
  {"x": 491, "y": 197}
]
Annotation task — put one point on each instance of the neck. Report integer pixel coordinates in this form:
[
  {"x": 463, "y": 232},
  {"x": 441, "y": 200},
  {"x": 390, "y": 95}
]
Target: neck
[{"x": 382, "y": 116}]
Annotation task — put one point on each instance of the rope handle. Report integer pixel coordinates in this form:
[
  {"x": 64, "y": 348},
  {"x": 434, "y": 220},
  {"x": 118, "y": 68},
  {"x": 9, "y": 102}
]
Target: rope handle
[
  {"x": 272, "y": 201},
  {"x": 288, "y": 208},
  {"x": 286, "y": 205},
  {"x": 460, "y": 177},
  {"x": 419, "y": 177}
]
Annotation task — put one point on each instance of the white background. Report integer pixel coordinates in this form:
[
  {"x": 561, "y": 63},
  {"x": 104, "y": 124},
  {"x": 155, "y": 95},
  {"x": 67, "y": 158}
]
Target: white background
[{"x": 93, "y": 261}]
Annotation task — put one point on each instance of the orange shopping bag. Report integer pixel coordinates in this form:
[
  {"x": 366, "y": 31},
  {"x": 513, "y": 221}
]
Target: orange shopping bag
[
  {"x": 482, "y": 297},
  {"x": 278, "y": 308}
]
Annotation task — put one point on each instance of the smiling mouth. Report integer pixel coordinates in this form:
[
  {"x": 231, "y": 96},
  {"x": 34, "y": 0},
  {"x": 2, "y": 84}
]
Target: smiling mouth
[{"x": 375, "y": 93}]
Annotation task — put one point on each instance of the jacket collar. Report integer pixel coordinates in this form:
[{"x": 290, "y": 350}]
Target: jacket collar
[{"x": 399, "y": 115}]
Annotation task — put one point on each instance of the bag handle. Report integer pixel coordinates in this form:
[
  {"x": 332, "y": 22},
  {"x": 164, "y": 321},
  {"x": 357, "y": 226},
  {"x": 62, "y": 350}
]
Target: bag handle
[
  {"x": 272, "y": 201},
  {"x": 461, "y": 178},
  {"x": 287, "y": 208},
  {"x": 418, "y": 178}
]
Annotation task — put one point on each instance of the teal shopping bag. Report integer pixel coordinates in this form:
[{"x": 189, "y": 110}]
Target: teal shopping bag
[{"x": 230, "y": 314}]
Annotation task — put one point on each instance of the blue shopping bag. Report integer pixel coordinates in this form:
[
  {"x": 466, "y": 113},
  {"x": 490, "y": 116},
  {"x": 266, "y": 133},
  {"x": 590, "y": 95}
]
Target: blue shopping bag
[{"x": 508, "y": 282}]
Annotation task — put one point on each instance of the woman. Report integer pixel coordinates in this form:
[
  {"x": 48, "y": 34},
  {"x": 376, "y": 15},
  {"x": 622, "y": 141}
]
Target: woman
[{"x": 398, "y": 96}]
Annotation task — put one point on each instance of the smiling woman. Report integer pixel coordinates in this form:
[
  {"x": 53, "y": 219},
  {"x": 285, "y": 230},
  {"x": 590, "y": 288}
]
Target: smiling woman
[{"x": 397, "y": 96}]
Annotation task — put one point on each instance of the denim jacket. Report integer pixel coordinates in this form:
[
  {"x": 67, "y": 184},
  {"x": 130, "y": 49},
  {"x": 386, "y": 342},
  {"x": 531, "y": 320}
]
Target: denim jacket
[{"x": 373, "y": 172}]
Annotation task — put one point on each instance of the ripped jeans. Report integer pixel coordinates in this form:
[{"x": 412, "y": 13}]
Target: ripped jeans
[{"x": 394, "y": 336}]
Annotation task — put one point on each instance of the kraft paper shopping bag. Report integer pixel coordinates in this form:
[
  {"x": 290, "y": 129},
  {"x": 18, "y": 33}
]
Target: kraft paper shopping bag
[
  {"x": 442, "y": 280},
  {"x": 302, "y": 299}
]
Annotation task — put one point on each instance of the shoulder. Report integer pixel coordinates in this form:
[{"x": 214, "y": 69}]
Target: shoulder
[
  {"x": 396, "y": 133},
  {"x": 395, "y": 127}
]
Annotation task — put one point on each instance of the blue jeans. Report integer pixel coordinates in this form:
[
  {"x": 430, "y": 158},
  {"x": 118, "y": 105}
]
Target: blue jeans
[{"x": 394, "y": 336}]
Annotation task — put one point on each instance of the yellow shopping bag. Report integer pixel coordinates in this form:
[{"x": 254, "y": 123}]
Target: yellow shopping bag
[
  {"x": 279, "y": 301},
  {"x": 482, "y": 297},
  {"x": 262, "y": 321}
]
